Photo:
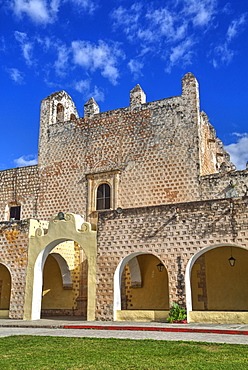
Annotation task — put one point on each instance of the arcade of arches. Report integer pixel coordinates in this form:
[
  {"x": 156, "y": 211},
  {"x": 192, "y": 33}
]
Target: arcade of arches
[{"x": 62, "y": 269}]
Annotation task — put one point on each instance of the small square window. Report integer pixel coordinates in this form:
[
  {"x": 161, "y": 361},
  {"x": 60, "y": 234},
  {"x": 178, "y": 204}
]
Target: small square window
[{"x": 15, "y": 212}]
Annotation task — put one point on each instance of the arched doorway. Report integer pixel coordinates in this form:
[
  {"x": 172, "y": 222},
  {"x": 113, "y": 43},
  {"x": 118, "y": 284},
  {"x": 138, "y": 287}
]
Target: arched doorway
[
  {"x": 64, "y": 290},
  {"x": 57, "y": 294},
  {"x": 5, "y": 291},
  {"x": 61, "y": 229},
  {"x": 141, "y": 288},
  {"x": 213, "y": 285}
]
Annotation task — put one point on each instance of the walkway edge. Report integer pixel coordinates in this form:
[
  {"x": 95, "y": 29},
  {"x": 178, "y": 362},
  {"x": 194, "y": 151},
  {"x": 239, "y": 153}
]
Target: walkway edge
[{"x": 139, "y": 328}]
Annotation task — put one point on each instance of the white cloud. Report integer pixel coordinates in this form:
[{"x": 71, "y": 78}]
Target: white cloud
[
  {"x": 236, "y": 27},
  {"x": 97, "y": 94},
  {"x": 223, "y": 55},
  {"x": 38, "y": 10},
  {"x": 181, "y": 53},
  {"x": 172, "y": 27},
  {"x": 2, "y": 43},
  {"x": 165, "y": 23},
  {"x": 26, "y": 46},
  {"x": 62, "y": 61},
  {"x": 102, "y": 56},
  {"x": 128, "y": 19},
  {"x": 201, "y": 11},
  {"x": 84, "y": 87},
  {"x": 88, "y": 6},
  {"x": 45, "y": 12},
  {"x": 16, "y": 75},
  {"x": 28, "y": 160},
  {"x": 135, "y": 67},
  {"x": 239, "y": 151}
]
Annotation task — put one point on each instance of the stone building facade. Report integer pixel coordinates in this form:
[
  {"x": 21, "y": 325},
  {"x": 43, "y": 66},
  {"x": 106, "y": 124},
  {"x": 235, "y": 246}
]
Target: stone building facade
[{"x": 114, "y": 195}]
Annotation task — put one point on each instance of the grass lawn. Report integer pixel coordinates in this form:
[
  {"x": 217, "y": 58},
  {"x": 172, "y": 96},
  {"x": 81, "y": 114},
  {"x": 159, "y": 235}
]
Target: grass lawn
[{"x": 34, "y": 352}]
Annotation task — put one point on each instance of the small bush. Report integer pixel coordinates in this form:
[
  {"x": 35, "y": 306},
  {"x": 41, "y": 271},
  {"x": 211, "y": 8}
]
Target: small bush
[{"x": 177, "y": 313}]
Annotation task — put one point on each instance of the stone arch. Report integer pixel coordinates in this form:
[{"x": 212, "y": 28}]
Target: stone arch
[
  {"x": 137, "y": 267},
  {"x": 64, "y": 269},
  {"x": 191, "y": 263},
  {"x": 5, "y": 290},
  {"x": 70, "y": 227}
]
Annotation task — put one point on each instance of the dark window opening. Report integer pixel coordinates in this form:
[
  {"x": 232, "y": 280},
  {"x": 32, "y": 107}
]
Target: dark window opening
[
  {"x": 72, "y": 117},
  {"x": 15, "y": 212},
  {"x": 103, "y": 197},
  {"x": 60, "y": 113}
]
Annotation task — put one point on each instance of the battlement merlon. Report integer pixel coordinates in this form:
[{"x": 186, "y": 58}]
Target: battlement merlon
[
  {"x": 190, "y": 91},
  {"x": 91, "y": 108}
]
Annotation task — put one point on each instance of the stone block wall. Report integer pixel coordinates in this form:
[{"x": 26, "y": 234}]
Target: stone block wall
[
  {"x": 19, "y": 186},
  {"x": 232, "y": 184},
  {"x": 13, "y": 254},
  {"x": 173, "y": 233},
  {"x": 154, "y": 146},
  {"x": 212, "y": 153}
]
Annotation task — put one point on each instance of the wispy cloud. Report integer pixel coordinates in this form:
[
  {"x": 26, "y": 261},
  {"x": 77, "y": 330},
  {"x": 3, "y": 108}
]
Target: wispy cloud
[
  {"x": 26, "y": 46},
  {"x": 181, "y": 53},
  {"x": 61, "y": 63},
  {"x": 200, "y": 12},
  {"x": 100, "y": 56},
  {"x": 135, "y": 67},
  {"x": 45, "y": 12},
  {"x": 26, "y": 160},
  {"x": 239, "y": 151},
  {"x": 175, "y": 31},
  {"x": 39, "y": 11},
  {"x": 88, "y": 6},
  {"x": 236, "y": 26},
  {"x": 2, "y": 44},
  {"x": 223, "y": 53},
  {"x": 16, "y": 75},
  {"x": 84, "y": 87}
]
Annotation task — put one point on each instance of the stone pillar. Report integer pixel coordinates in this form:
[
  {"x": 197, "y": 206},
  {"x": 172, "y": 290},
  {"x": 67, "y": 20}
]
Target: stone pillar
[
  {"x": 190, "y": 90},
  {"x": 91, "y": 108},
  {"x": 137, "y": 97}
]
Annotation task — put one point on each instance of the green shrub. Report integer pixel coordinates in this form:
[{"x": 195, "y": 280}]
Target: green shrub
[{"x": 177, "y": 313}]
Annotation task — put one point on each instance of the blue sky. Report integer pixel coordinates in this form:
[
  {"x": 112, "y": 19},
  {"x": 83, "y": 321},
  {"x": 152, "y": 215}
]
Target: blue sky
[{"x": 104, "y": 48}]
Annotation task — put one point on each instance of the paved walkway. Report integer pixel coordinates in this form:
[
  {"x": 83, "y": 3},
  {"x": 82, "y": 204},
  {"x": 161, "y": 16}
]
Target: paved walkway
[{"x": 215, "y": 333}]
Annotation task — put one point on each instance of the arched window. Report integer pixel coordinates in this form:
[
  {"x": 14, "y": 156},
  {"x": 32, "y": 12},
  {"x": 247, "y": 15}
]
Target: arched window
[
  {"x": 60, "y": 113},
  {"x": 103, "y": 197},
  {"x": 72, "y": 117}
]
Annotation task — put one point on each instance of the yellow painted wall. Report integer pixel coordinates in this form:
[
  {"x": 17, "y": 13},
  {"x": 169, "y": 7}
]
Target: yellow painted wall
[
  {"x": 54, "y": 296},
  {"x": 219, "y": 317},
  {"x": 147, "y": 315},
  {"x": 227, "y": 287},
  {"x": 6, "y": 287},
  {"x": 153, "y": 295}
]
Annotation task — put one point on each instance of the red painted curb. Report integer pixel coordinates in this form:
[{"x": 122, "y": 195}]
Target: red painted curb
[{"x": 140, "y": 328}]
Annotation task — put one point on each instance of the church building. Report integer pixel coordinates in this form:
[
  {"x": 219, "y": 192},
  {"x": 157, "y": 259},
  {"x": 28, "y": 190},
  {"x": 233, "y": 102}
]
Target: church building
[{"x": 126, "y": 212}]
